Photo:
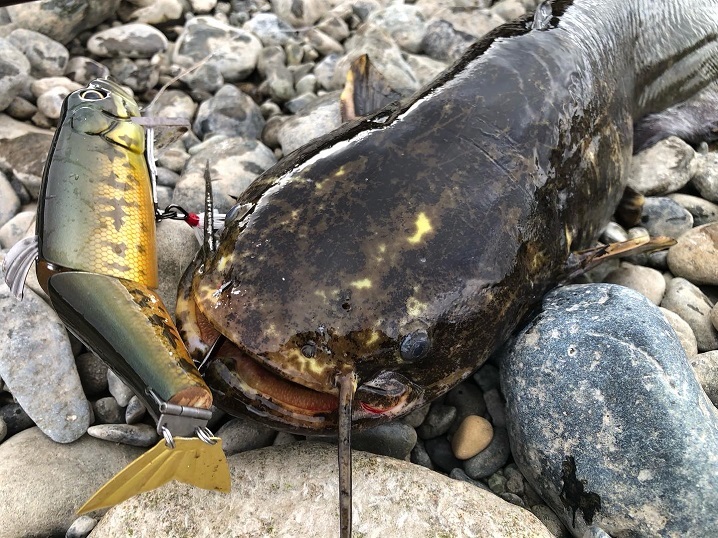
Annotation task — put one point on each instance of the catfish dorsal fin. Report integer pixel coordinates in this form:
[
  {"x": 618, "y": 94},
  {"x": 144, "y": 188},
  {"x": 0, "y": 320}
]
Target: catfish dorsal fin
[
  {"x": 365, "y": 90},
  {"x": 583, "y": 260}
]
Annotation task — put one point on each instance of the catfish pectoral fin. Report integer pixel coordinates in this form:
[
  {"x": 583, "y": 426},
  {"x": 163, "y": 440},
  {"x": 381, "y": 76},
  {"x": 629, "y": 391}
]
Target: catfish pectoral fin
[
  {"x": 191, "y": 461},
  {"x": 584, "y": 260},
  {"x": 365, "y": 90}
]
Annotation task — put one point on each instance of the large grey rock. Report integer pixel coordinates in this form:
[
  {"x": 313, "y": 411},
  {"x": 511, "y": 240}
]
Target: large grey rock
[
  {"x": 47, "y": 57},
  {"x": 37, "y": 365},
  {"x": 292, "y": 490},
  {"x": 44, "y": 483},
  {"x": 14, "y": 72},
  {"x": 607, "y": 420}
]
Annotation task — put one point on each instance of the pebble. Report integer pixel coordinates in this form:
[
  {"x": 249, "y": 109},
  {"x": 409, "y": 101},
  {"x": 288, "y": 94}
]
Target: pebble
[
  {"x": 47, "y": 57},
  {"x": 44, "y": 85},
  {"x": 468, "y": 400},
  {"x": 107, "y": 411},
  {"x": 122, "y": 393},
  {"x": 321, "y": 117},
  {"x": 705, "y": 176},
  {"x": 705, "y": 366},
  {"x": 417, "y": 416},
  {"x": 270, "y": 29},
  {"x": 497, "y": 483},
  {"x": 290, "y": 487},
  {"x": 234, "y": 163},
  {"x": 702, "y": 210},
  {"x": 139, "y": 75},
  {"x": 444, "y": 43},
  {"x": 93, "y": 373},
  {"x": 663, "y": 168},
  {"x": 695, "y": 257},
  {"x": 425, "y": 69},
  {"x": 550, "y": 520},
  {"x": 566, "y": 363},
  {"x": 393, "y": 439},
  {"x": 229, "y": 112},
  {"x": 9, "y": 200},
  {"x": 50, "y": 103},
  {"x": 334, "y": 27},
  {"x": 458, "y": 474},
  {"x": 420, "y": 456},
  {"x": 691, "y": 304},
  {"x": 158, "y": 12},
  {"x": 492, "y": 458},
  {"x": 21, "y": 109},
  {"x": 176, "y": 247},
  {"x": 683, "y": 331},
  {"x": 241, "y": 434},
  {"x": 135, "y": 411},
  {"x": 134, "y": 40},
  {"x": 234, "y": 51},
  {"x": 16, "y": 70},
  {"x": 663, "y": 216},
  {"x": 279, "y": 81},
  {"x": 142, "y": 435},
  {"x": 487, "y": 377},
  {"x": 496, "y": 407},
  {"x": 299, "y": 13},
  {"x": 284, "y": 438},
  {"x": 35, "y": 354},
  {"x": 23, "y": 149},
  {"x": 82, "y": 70},
  {"x": 322, "y": 43},
  {"x": 473, "y": 436},
  {"x": 44, "y": 483},
  {"x": 81, "y": 527},
  {"x": 62, "y": 21},
  {"x": 3, "y": 429},
  {"x": 646, "y": 281},
  {"x": 403, "y": 22},
  {"x": 437, "y": 421},
  {"x": 18, "y": 227}
]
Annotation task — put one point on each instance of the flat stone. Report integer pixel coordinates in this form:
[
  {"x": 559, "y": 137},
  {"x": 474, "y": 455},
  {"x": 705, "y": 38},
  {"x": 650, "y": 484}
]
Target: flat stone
[
  {"x": 663, "y": 168},
  {"x": 37, "y": 364},
  {"x": 122, "y": 393},
  {"x": 15, "y": 68},
  {"x": 393, "y": 439},
  {"x": 705, "y": 366},
  {"x": 437, "y": 421},
  {"x": 691, "y": 304},
  {"x": 695, "y": 256},
  {"x": 439, "y": 450},
  {"x": 473, "y": 436},
  {"x": 496, "y": 407},
  {"x": 646, "y": 281},
  {"x": 596, "y": 385},
  {"x": 300, "y": 13},
  {"x": 107, "y": 411},
  {"x": 47, "y": 57},
  {"x": 664, "y": 216},
  {"x": 705, "y": 176},
  {"x": 702, "y": 210},
  {"x": 142, "y": 435},
  {"x": 23, "y": 149},
  {"x": 229, "y": 112},
  {"x": 134, "y": 40},
  {"x": 293, "y": 491},
  {"x": 44, "y": 483},
  {"x": 683, "y": 332},
  {"x": 320, "y": 118}
]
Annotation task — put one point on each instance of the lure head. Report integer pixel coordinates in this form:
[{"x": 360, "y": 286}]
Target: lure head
[{"x": 96, "y": 210}]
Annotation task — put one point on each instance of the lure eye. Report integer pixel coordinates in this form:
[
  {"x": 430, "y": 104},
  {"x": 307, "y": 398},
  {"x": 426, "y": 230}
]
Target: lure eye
[
  {"x": 93, "y": 95},
  {"x": 415, "y": 346}
]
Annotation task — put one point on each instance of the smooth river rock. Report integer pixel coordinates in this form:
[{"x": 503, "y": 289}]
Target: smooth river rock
[
  {"x": 292, "y": 490},
  {"x": 44, "y": 483},
  {"x": 606, "y": 418}
]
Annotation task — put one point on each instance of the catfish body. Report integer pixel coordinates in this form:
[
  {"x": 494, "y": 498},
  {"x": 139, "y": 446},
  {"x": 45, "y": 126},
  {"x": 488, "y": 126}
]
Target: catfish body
[{"x": 407, "y": 246}]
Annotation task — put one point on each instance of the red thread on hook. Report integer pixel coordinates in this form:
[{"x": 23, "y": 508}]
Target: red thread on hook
[{"x": 192, "y": 219}]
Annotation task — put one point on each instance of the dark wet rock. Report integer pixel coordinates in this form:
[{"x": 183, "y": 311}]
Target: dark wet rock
[
  {"x": 417, "y": 416},
  {"x": 127, "y": 434},
  {"x": 230, "y": 112},
  {"x": 603, "y": 359},
  {"x": 663, "y": 216},
  {"x": 437, "y": 421},
  {"x": 93, "y": 373},
  {"x": 61, "y": 20},
  {"x": 135, "y": 40},
  {"x": 3, "y": 430},
  {"x": 420, "y": 456},
  {"x": 487, "y": 377},
  {"x": 439, "y": 450},
  {"x": 394, "y": 439},
  {"x": 108, "y": 411},
  {"x": 15, "y": 419},
  {"x": 234, "y": 163},
  {"x": 44, "y": 483},
  {"x": 47, "y": 57},
  {"x": 496, "y": 407},
  {"x": 242, "y": 434},
  {"x": 468, "y": 400},
  {"x": 492, "y": 458},
  {"x": 497, "y": 483},
  {"x": 702, "y": 210},
  {"x": 442, "y": 42},
  {"x": 691, "y": 304}
]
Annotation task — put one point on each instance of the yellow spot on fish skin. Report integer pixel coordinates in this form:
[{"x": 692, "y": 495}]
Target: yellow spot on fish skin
[
  {"x": 382, "y": 248},
  {"x": 414, "y": 307},
  {"x": 362, "y": 284},
  {"x": 321, "y": 293},
  {"x": 340, "y": 172},
  {"x": 423, "y": 226},
  {"x": 372, "y": 338},
  {"x": 223, "y": 263}
]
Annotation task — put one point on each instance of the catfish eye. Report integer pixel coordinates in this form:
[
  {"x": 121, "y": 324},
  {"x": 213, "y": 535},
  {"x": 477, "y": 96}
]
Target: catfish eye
[
  {"x": 415, "y": 346},
  {"x": 309, "y": 349},
  {"x": 93, "y": 94}
]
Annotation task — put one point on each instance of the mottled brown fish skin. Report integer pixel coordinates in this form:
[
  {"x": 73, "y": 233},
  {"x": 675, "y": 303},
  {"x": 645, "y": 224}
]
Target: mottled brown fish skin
[{"x": 450, "y": 214}]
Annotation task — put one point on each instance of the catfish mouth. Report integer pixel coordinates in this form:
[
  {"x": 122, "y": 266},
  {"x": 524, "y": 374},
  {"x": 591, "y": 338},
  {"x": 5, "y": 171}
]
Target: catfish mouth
[{"x": 269, "y": 393}]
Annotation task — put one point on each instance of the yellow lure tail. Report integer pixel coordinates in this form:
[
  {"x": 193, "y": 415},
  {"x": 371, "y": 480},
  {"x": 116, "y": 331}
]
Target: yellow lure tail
[{"x": 191, "y": 461}]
